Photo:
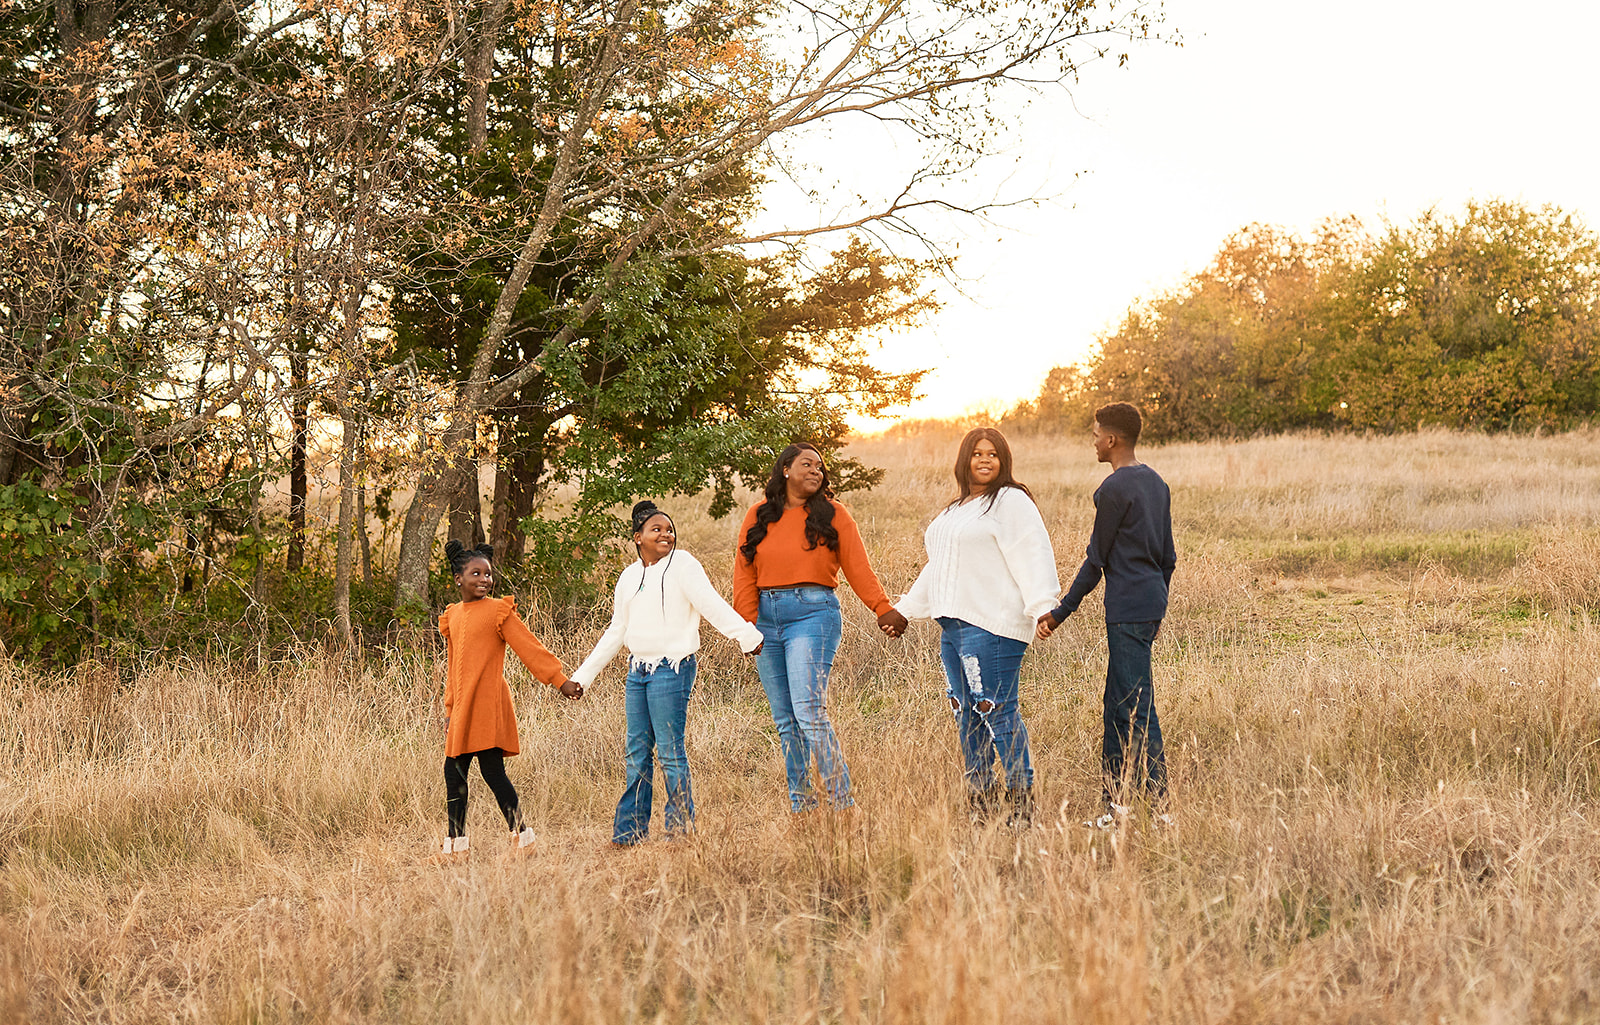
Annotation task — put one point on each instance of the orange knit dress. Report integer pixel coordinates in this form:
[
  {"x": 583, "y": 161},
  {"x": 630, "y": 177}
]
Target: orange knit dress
[{"x": 476, "y": 696}]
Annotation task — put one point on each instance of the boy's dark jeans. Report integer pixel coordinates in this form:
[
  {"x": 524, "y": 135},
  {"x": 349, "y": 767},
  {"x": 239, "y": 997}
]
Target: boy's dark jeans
[{"x": 1132, "y": 727}]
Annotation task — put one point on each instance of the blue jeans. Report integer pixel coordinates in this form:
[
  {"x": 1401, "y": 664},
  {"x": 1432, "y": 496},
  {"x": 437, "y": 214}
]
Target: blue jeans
[
  {"x": 657, "y": 701},
  {"x": 982, "y": 670},
  {"x": 800, "y": 629},
  {"x": 1131, "y": 724}
]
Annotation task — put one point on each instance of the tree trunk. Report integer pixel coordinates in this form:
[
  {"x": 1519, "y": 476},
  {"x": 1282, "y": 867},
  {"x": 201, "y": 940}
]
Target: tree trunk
[
  {"x": 13, "y": 435},
  {"x": 480, "y": 66},
  {"x": 436, "y": 486},
  {"x": 363, "y": 536},
  {"x": 466, "y": 505},
  {"x": 344, "y": 558},
  {"x": 299, "y": 431},
  {"x": 516, "y": 482},
  {"x": 300, "y": 407},
  {"x": 363, "y": 464}
]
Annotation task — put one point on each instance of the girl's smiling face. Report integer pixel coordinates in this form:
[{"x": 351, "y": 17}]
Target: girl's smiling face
[
  {"x": 655, "y": 539},
  {"x": 476, "y": 579}
]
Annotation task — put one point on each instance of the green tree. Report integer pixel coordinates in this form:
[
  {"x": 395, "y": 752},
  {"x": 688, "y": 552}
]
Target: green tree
[
  {"x": 1231, "y": 351},
  {"x": 1490, "y": 320}
]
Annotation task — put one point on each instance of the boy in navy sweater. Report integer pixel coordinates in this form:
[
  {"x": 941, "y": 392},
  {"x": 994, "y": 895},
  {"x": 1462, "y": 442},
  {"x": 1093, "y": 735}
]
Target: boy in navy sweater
[{"x": 1131, "y": 546}]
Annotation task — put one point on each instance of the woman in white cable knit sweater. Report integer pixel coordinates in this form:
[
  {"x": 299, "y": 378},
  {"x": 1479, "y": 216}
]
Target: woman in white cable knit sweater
[
  {"x": 658, "y": 605},
  {"x": 991, "y": 573}
]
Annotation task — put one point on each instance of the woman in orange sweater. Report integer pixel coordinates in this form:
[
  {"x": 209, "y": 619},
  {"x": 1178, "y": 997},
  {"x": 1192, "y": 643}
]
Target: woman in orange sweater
[
  {"x": 479, "y": 720},
  {"x": 791, "y": 549}
]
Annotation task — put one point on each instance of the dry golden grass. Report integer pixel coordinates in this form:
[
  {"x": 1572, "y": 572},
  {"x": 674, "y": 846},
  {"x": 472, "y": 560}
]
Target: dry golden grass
[{"x": 1380, "y": 684}]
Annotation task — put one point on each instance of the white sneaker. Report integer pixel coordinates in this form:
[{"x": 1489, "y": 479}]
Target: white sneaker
[
  {"x": 522, "y": 843},
  {"x": 1109, "y": 820}
]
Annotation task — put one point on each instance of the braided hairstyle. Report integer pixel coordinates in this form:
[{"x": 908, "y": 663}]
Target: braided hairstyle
[
  {"x": 642, "y": 514},
  {"x": 819, "y": 507},
  {"x": 457, "y": 555}
]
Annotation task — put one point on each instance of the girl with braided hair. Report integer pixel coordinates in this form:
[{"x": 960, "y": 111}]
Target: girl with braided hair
[
  {"x": 656, "y": 612},
  {"x": 479, "y": 719}
]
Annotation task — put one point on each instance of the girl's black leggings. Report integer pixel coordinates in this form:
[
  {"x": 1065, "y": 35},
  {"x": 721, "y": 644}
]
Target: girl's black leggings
[{"x": 492, "y": 763}]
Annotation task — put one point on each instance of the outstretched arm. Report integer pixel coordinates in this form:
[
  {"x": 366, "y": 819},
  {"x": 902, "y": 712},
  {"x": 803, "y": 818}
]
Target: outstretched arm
[
  {"x": 704, "y": 599},
  {"x": 746, "y": 596},
  {"x": 544, "y": 666},
  {"x": 1110, "y": 509},
  {"x": 610, "y": 642},
  {"x": 1025, "y": 546},
  {"x": 855, "y": 564}
]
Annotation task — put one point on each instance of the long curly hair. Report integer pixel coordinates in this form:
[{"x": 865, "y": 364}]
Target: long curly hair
[
  {"x": 1002, "y": 480},
  {"x": 819, "y": 507}
]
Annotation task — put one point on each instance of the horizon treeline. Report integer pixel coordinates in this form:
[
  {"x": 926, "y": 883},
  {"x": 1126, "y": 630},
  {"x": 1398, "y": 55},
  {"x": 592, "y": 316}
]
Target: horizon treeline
[{"x": 1487, "y": 320}]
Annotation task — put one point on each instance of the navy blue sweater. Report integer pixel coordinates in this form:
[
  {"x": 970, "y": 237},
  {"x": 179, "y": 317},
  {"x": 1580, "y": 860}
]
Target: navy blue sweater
[{"x": 1131, "y": 547}]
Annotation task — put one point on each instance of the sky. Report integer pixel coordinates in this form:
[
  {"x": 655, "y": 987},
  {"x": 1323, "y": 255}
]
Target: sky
[{"x": 1271, "y": 112}]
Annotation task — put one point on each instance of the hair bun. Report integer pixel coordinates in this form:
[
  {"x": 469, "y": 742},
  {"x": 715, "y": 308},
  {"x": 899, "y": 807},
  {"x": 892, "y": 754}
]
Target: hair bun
[
  {"x": 485, "y": 550},
  {"x": 644, "y": 508},
  {"x": 453, "y": 548}
]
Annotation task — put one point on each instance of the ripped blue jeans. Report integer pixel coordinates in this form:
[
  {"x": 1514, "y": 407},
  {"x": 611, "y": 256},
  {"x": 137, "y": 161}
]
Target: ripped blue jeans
[{"x": 982, "y": 671}]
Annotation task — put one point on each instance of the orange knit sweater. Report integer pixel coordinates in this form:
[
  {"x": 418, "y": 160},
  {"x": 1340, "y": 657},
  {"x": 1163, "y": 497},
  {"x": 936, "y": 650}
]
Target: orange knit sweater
[
  {"x": 782, "y": 560},
  {"x": 476, "y": 696}
]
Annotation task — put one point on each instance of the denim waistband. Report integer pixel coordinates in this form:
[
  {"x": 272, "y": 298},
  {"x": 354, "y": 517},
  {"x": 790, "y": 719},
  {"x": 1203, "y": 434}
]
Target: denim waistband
[
  {"x": 675, "y": 664},
  {"x": 795, "y": 589}
]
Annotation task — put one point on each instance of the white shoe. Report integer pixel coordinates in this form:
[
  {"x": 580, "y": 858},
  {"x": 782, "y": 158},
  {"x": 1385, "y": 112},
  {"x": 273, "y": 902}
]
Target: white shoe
[
  {"x": 522, "y": 843},
  {"x": 452, "y": 851},
  {"x": 1109, "y": 820}
]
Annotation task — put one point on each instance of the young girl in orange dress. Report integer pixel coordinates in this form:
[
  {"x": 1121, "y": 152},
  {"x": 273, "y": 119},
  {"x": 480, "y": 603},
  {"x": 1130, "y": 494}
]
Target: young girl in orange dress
[{"x": 479, "y": 720}]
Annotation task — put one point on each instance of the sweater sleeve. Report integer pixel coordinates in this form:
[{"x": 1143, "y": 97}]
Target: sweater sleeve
[
  {"x": 1025, "y": 545},
  {"x": 746, "y": 596},
  {"x": 917, "y": 603},
  {"x": 853, "y": 561},
  {"x": 1110, "y": 508},
  {"x": 703, "y": 598},
  {"x": 449, "y": 653},
  {"x": 610, "y": 642},
  {"x": 1169, "y": 556},
  {"x": 544, "y": 666}
]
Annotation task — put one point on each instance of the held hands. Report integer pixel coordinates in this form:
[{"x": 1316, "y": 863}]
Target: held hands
[
  {"x": 1047, "y": 626},
  {"x": 892, "y": 623},
  {"x": 572, "y": 690}
]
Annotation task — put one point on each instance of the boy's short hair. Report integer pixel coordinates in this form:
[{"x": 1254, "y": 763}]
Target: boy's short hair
[{"x": 1122, "y": 418}]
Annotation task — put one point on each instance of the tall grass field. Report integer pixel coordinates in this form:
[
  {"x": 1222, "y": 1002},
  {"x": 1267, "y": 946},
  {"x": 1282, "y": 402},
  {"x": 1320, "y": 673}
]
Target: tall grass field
[{"x": 1379, "y": 683}]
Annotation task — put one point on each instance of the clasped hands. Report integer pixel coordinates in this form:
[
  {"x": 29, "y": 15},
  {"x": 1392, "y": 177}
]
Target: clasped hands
[{"x": 892, "y": 623}]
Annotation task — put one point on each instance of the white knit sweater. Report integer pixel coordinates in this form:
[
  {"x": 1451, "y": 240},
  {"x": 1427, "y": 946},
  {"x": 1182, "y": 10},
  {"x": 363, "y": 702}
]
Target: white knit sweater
[
  {"x": 656, "y": 612},
  {"x": 992, "y": 567}
]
